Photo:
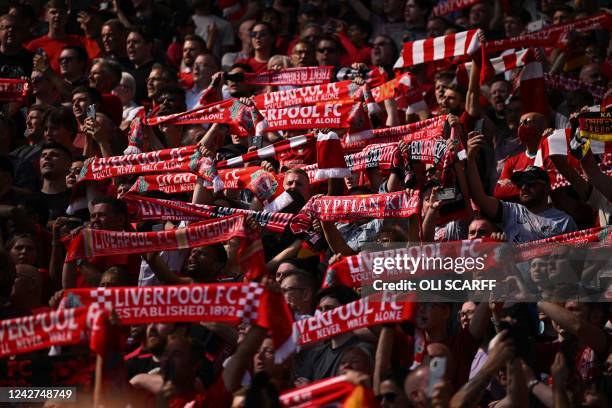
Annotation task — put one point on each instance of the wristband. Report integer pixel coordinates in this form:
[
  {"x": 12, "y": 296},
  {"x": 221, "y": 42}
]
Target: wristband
[{"x": 532, "y": 383}]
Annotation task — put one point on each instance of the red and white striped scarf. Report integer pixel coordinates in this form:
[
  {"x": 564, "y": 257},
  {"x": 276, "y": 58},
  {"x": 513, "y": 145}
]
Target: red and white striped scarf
[
  {"x": 270, "y": 151},
  {"x": 553, "y": 36},
  {"x": 500, "y": 64},
  {"x": 290, "y": 76},
  {"x": 438, "y": 48},
  {"x": 90, "y": 243},
  {"x": 13, "y": 90}
]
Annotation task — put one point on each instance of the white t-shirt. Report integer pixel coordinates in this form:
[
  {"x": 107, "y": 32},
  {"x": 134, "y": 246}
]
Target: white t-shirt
[
  {"x": 521, "y": 225},
  {"x": 225, "y": 32}
]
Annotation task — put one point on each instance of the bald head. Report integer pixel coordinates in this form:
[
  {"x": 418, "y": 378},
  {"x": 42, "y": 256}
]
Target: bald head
[
  {"x": 416, "y": 385},
  {"x": 591, "y": 74}
]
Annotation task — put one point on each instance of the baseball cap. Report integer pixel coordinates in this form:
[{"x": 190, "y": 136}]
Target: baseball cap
[{"x": 530, "y": 174}]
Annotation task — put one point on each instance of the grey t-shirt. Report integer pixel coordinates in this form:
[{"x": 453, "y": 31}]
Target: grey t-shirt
[
  {"x": 322, "y": 361},
  {"x": 521, "y": 225}
]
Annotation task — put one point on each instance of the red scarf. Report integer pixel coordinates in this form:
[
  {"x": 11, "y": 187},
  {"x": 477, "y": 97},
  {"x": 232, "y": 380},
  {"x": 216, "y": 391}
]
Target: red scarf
[
  {"x": 553, "y": 36},
  {"x": 173, "y": 183},
  {"x": 308, "y": 95},
  {"x": 331, "y": 115},
  {"x": 350, "y": 208},
  {"x": 290, "y": 76},
  {"x": 364, "y": 312},
  {"x": 177, "y": 159},
  {"x": 335, "y": 391},
  {"x": 230, "y": 303},
  {"x": 13, "y": 90},
  {"x": 43, "y": 330},
  {"x": 230, "y": 112},
  {"x": 93, "y": 242},
  {"x": 567, "y": 84},
  {"x": 425, "y": 129},
  {"x": 146, "y": 208},
  {"x": 439, "y": 48},
  {"x": 450, "y": 6}
]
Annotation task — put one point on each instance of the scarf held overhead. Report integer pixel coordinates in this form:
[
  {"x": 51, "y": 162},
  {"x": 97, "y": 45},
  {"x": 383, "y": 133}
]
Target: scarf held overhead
[
  {"x": 13, "y": 90},
  {"x": 93, "y": 243},
  {"x": 290, "y": 76}
]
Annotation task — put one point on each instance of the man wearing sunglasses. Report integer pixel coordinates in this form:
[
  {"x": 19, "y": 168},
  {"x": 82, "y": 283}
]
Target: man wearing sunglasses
[{"x": 534, "y": 218}]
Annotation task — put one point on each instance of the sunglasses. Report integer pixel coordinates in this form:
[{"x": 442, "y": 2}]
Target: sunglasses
[
  {"x": 323, "y": 50},
  {"x": 66, "y": 59},
  {"x": 389, "y": 396},
  {"x": 258, "y": 34},
  {"x": 525, "y": 122}
]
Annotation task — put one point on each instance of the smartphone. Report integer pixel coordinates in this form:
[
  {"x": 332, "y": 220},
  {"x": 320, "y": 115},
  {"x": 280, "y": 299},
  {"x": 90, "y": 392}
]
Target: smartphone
[
  {"x": 446, "y": 194},
  {"x": 437, "y": 368},
  {"x": 91, "y": 111}
]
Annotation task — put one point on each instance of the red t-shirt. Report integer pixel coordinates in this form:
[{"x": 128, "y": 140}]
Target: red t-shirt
[
  {"x": 130, "y": 262},
  {"x": 53, "y": 47},
  {"x": 253, "y": 63},
  {"x": 214, "y": 396}
]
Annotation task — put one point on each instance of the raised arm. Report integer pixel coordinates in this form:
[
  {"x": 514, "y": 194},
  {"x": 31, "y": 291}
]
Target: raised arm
[
  {"x": 472, "y": 97},
  {"x": 362, "y": 11},
  {"x": 600, "y": 181},
  {"x": 162, "y": 271},
  {"x": 588, "y": 334},
  {"x": 488, "y": 205},
  {"x": 383, "y": 356}
]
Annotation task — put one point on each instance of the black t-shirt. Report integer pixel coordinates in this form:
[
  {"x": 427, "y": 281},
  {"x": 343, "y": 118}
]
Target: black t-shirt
[
  {"x": 140, "y": 76},
  {"x": 16, "y": 66},
  {"x": 140, "y": 364},
  {"x": 50, "y": 206}
]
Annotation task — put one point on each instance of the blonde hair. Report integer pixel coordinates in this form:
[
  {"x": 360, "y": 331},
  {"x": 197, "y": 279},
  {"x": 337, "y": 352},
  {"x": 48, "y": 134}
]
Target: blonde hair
[{"x": 279, "y": 60}]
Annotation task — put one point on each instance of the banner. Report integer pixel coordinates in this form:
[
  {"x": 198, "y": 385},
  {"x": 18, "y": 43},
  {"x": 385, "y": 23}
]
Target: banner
[
  {"x": 308, "y": 95},
  {"x": 90, "y": 243},
  {"x": 57, "y": 328},
  {"x": 553, "y": 36},
  {"x": 324, "y": 115},
  {"x": 13, "y": 90},
  {"x": 290, "y": 76}
]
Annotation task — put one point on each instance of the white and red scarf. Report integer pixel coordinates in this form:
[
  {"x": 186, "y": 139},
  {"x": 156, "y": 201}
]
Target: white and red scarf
[
  {"x": 438, "y": 48},
  {"x": 500, "y": 64},
  {"x": 90, "y": 243},
  {"x": 553, "y": 36},
  {"x": 13, "y": 90},
  {"x": 290, "y": 76},
  {"x": 559, "y": 143},
  {"x": 56, "y": 328},
  {"x": 330, "y": 157},
  {"x": 230, "y": 303},
  {"x": 173, "y": 183},
  {"x": 147, "y": 208},
  {"x": 270, "y": 151}
]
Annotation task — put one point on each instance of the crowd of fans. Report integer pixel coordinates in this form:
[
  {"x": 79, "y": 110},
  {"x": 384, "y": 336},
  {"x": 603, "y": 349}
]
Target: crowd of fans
[{"x": 122, "y": 56}]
